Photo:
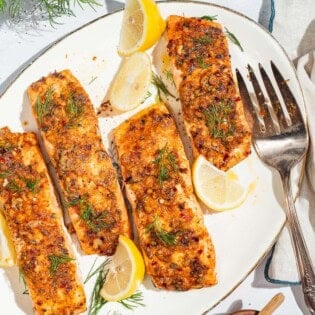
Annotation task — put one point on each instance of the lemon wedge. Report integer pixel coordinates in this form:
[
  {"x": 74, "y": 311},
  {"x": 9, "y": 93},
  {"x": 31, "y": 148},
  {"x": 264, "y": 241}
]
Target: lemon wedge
[
  {"x": 131, "y": 83},
  {"x": 7, "y": 251},
  {"x": 142, "y": 26},
  {"x": 125, "y": 271},
  {"x": 219, "y": 190}
]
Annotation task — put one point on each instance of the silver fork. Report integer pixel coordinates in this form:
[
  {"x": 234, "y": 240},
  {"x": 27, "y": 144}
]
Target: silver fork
[{"x": 281, "y": 141}]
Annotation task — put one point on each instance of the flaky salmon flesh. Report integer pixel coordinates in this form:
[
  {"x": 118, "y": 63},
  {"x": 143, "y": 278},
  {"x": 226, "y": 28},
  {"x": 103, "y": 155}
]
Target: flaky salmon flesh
[
  {"x": 43, "y": 247},
  {"x": 195, "y": 57},
  {"x": 177, "y": 249},
  {"x": 88, "y": 181}
]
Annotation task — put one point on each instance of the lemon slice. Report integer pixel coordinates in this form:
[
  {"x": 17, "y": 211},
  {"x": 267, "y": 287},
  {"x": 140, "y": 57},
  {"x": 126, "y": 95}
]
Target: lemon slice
[
  {"x": 131, "y": 83},
  {"x": 219, "y": 190},
  {"x": 142, "y": 26},
  {"x": 7, "y": 251},
  {"x": 126, "y": 271}
]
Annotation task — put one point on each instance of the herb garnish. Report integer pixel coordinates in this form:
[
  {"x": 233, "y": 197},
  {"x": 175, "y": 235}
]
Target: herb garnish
[
  {"x": 54, "y": 9},
  {"x": 95, "y": 221},
  {"x": 234, "y": 39},
  {"x": 73, "y": 110},
  {"x": 31, "y": 184},
  {"x": 209, "y": 17},
  {"x": 133, "y": 301},
  {"x": 92, "y": 80},
  {"x": 5, "y": 174},
  {"x": 13, "y": 186},
  {"x": 97, "y": 301},
  {"x": 161, "y": 87},
  {"x": 201, "y": 62},
  {"x": 149, "y": 94},
  {"x": 217, "y": 119},
  {"x": 169, "y": 75},
  {"x": 166, "y": 237},
  {"x": 92, "y": 272},
  {"x": 203, "y": 40},
  {"x": 45, "y": 107},
  {"x": 22, "y": 279},
  {"x": 165, "y": 162},
  {"x": 56, "y": 261}
]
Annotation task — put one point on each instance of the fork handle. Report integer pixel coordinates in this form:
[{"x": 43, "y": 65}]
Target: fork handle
[{"x": 302, "y": 257}]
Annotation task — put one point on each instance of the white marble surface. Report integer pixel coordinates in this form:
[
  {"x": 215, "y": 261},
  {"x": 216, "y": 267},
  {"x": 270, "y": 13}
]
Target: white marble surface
[{"x": 19, "y": 42}]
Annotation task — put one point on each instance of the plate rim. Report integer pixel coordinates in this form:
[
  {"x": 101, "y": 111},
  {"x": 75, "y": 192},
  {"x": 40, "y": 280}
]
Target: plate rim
[{"x": 19, "y": 71}]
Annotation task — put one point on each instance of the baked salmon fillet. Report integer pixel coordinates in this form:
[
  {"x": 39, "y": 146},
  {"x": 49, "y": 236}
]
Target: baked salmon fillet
[
  {"x": 197, "y": 58},
  {"x": 28, "y": 203},
  {"x": 175, "y": 243},
  {"x": 88, "y": 181}
]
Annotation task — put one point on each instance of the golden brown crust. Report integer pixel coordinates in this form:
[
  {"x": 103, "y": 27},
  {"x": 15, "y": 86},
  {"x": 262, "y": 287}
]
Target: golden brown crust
[
  {"x": 88, "y": 180},
  {"x": 177, "y": 249},
  {"x": 212, "y": 109},
  {"x": 36, "y": 226}
]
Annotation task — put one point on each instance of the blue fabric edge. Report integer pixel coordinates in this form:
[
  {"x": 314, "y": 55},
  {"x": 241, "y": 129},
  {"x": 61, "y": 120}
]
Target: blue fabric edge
[
  {"x": 272, "y": 15},
  {"x": 275, "y": 281}
]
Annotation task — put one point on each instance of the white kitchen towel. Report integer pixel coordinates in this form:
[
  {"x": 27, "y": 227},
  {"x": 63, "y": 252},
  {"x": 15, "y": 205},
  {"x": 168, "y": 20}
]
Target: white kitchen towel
[{"x": 281, "y": 266}]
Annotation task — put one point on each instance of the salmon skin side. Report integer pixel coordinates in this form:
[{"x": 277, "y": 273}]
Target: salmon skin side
[
  {"x": 88, "y": 181},
  {"x": 197, "y": 56},
  {"x": 44, "y": 254},
  {"x": 175, "y": 243}
]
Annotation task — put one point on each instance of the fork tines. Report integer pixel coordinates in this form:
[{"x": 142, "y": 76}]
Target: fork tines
[{"x": 272, "y": 119}]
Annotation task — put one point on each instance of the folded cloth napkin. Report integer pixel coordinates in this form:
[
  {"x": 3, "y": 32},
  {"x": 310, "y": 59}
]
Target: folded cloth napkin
[{"x": 281, "y": 266}]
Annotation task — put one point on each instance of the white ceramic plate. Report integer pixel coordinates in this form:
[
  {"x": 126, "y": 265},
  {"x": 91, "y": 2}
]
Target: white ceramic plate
[{"x": 241, "y": 236}]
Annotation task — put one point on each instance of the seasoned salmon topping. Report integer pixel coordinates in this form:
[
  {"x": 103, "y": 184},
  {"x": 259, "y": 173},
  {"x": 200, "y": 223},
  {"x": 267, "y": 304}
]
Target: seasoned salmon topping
[
  {"x": 178, "y": 252},
  {"x": 35, "y": 222},
  {"x": 212, "y": 109},
  {"x": 87, "y": 178}
]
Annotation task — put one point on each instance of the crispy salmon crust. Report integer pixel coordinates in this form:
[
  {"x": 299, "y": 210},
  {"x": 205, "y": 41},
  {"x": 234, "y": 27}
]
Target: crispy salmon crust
[
  {"x": 212, "y": 108},
  {"x": 87, "y": 178},
  {"x": 175, "y": 243},
  {"x": 36, "y": 227}
]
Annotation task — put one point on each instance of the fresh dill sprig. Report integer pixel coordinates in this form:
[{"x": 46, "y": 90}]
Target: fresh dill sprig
[
  {"x": 209, "y": 17},
  {"x": 73, "y": 110},
  {"x": 13, "y": 186},
  {"x": 43, "y": 108},
  {"x": 203, "y": 40},
  {"x": 149, "y": 94},
  {"x": 165, "y": 162},
  {"x": 161, "y": 87},
  {"x": 5, "y": 174},
  {"x": 201, "y": 62},
  {"x": 31, "y": 184},
  {"x": 53, "y": 8},
  {"x": 217, "y": 119},
  {"x": 233, "y": 38},
  {"x": 92, "y": 80},
  {"x": 93, "y": 272},
  {"x": 22, "y": 279},
  {"x": 169, "y": 76},
  {"x": 95, "y": 221},
  {"x": 56, "y": 261},
  {"x": 166, "y": 237},
  {"x": 97, "y": 301},
  {"x": 133, "y": 301}
]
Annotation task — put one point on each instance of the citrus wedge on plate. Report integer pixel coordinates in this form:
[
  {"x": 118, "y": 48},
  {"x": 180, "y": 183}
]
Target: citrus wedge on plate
[
  {"x": 131, "y": 83},
  {"x": 142, "y": 26},
  {"x": 219, "y": 190},
  {"x": 125, "y": 271},
  {"x": 7, "y": 251}
]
